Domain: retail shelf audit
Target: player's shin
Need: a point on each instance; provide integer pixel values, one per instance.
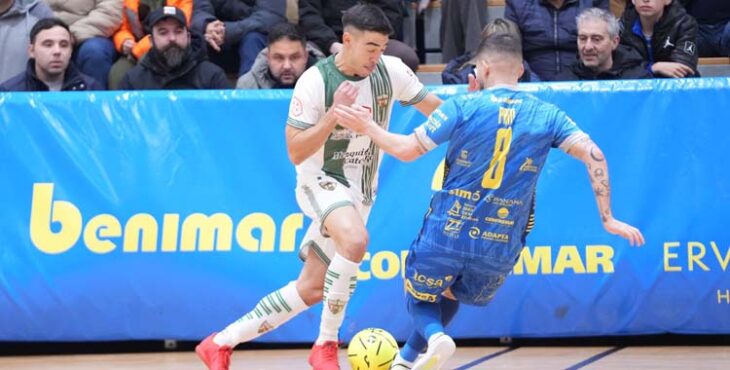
(339, 285)
(271, 311)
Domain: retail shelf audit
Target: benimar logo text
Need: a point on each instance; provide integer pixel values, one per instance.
(256, 232)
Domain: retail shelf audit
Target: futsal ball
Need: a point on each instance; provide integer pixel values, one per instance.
(372, 349)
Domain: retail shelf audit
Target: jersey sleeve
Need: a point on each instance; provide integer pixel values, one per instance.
(406, 86)
(440, 125)
(307, 102)
(565, 132)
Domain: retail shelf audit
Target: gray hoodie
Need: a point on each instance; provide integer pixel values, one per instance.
(15, 25)
(259, 76)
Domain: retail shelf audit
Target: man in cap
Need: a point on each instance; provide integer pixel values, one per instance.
(177, 59)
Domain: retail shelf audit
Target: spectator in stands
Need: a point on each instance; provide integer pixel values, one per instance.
(713, 25)
(617, 7)
(601, 57)
(549, 31)
(177, 59)
(92, 23)
(321, 21)
(17, 17)
(236, 30)
(665, 36)
(132, 39)
(280, 65)
(49, 67)
(462, 22)
(457, 71)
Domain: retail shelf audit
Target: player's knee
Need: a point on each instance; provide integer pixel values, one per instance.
(354, 245)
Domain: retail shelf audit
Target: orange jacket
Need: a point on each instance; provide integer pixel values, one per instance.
(133, 29)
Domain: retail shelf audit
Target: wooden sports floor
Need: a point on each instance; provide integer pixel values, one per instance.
(519, 358)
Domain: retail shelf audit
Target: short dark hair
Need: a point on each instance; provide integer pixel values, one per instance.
(285, 30)
(500, 44)
(47, 24)
(367, 17)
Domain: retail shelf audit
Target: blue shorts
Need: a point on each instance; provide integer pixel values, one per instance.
(432, 270)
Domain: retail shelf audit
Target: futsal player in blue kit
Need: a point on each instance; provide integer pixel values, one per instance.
(474, 230)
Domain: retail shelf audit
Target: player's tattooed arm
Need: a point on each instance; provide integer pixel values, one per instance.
(589, 153)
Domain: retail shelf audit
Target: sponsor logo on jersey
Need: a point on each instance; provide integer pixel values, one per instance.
(504, 202)
(502, 214)
(528, 166)
(453, 227)
(429, 281)
(341, 134)
(463, 159)
(419, 295)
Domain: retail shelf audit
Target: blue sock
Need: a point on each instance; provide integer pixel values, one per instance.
(449, 308)
(413, 347)
(426, 317)
(416, 343)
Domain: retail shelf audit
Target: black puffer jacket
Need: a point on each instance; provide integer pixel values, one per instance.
(627, 65)
(321, 20)
(674, 38)
(73, 80)
(195, 72)
(548, 34)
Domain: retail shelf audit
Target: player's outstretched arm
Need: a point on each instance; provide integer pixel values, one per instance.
(428, 104)
(404, 147)
(301, 144)
(589, 153)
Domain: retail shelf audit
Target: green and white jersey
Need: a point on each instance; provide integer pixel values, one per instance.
(350, 158)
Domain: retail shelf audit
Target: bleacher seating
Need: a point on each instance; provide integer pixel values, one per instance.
(424, 30)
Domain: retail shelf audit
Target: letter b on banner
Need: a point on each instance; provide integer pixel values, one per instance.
(44, 211)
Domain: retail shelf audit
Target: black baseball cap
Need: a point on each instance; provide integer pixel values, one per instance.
(166, 12)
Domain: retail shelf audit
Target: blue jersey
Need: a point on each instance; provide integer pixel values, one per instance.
(498, 142)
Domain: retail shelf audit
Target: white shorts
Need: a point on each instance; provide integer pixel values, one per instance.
(318, 196)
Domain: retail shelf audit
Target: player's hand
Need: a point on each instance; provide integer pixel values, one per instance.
(671, 69)
(474, 84)
(345, 94)
(624, 230)
(354, 117)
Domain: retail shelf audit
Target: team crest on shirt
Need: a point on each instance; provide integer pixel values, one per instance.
(335, 305)
(296, 107)
(327, 185)
(382, 100)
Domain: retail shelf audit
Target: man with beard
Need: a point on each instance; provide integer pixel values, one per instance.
(177, 58)
(49, 67)
(280, 65)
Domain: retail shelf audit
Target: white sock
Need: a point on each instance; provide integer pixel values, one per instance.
(339, 284)
(271, 311)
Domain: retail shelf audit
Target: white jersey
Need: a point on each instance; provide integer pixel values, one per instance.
(350, 158)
